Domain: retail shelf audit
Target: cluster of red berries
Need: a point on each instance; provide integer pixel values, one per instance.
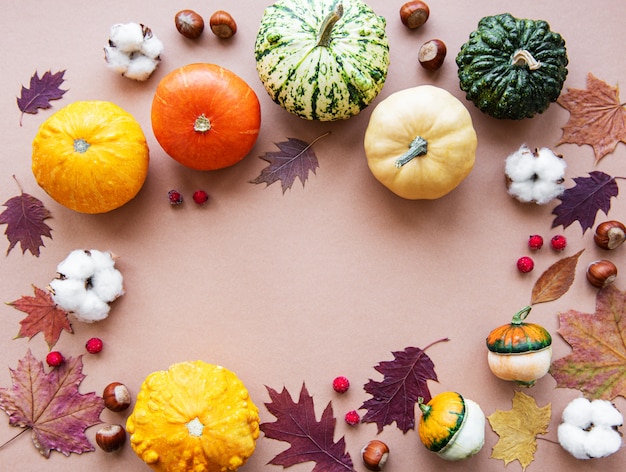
(93, 346)
(341, 385)
(176, 198)
(535, 242)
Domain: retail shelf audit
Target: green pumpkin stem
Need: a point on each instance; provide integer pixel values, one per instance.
(327, 26)
(521, 57)
(423, 406)
(418, 147)
(520, 316)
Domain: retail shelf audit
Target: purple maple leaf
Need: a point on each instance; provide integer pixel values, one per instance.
(310, 440)
(41, 91)
(404, 383)
(24, 218)
(583, 201)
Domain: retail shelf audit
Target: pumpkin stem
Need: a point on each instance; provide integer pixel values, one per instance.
(521, 57)
(327, 26)
(202, 124)
(423, 406)
(418, 147)
(521, 315)
(81, 146)
(195, 427)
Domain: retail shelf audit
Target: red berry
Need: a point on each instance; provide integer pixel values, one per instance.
(94, 345)
(353, 418)
(54, 359)
(200, 197)
(558, 242)
(535, 241)
(525, 264)
(341, 384)
(174, 197)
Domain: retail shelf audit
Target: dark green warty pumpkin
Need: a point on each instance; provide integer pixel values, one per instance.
(512, 68)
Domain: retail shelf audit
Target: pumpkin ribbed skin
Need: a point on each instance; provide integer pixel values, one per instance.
(193, 417)
(441, 418)
(322, 82)
(516, 338)
(90, 156)
(499, 82)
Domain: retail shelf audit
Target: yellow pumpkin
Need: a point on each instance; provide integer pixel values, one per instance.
(194, 416)
(90, 156)
(420, 142)
(452, 426)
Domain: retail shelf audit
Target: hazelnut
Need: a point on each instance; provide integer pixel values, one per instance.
(610, 234)
(414, 14)
(189, 24)
(111, 437)
(601, 273)
(375, 454)
(432, 53)
(223, 24)
(116, 397)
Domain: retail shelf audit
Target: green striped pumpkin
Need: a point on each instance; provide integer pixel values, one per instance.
(322, 59)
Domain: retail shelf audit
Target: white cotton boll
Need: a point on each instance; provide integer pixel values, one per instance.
(578, 413)
(152, 47)
(68, 293)
(140, 68)
(603, 413)
(126, 37)
(91, 308)
(102, 259)
(549, 166)
(78, 264)
(545, 191)
(572, 439)
(602, 441)
(519, 166)
(522, 191)
(107, 284)
(117, 60)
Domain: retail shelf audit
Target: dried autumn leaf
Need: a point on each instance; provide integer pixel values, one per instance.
(597, 364)
(518, 429)
(310, 440)
(404, 383)
(556, 280)
(25, 219)
(583, 201)
(50, 405)
(597, 117)
(295, 159)
(41, 91)
(44, 316)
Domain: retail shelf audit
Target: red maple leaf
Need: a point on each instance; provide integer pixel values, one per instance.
(310, 440)
(405, 381)
(44, 316)
(25, 219)
(50, 405)
(41, 91)
(597, 364)
(295, 159)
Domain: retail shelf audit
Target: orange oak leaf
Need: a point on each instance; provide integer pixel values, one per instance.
(44, 316)
(518, 429)
(597, 364)
(597, 117)
(50, 405)
(556, 280)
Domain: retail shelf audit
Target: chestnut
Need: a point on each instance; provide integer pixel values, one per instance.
(414, 14)
(189, 23)
(610, 234)
(111, 437)
(601, 273)
(432, 54)
(116, 396)
(223, 24)
(375, 454)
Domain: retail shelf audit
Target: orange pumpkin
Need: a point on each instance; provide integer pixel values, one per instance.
(205, 116)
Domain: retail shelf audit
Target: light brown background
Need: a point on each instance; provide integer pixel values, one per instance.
(325, 280)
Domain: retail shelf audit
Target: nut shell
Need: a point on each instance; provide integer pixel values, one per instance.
(111, 437)
(414, 14)
(601, 273)
(189, 23)
(116, 397)
(610, 234)
(432, 54)
(375, 454)
(223, 24)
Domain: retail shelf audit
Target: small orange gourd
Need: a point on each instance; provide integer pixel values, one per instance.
(205, 116)
(520, 351)
(90, 156)
(194, 416)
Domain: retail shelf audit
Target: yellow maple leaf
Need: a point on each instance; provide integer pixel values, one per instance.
(518, 429)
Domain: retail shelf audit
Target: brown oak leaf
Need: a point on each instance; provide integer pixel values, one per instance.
(50, 405)
(597, 364)
(518, 429)
(556, 280)
(310, 440)
(44, 316)
(597, 117)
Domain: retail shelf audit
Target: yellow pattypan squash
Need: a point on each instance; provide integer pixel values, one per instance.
(90, 156)
(195, 417)
(420, 142)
